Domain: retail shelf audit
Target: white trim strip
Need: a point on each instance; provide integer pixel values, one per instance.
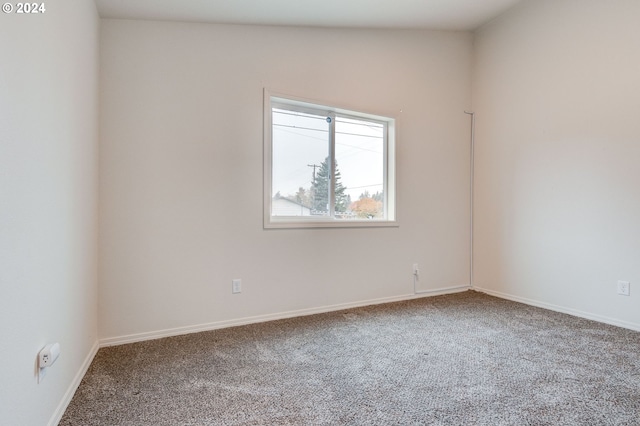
(71, 390)
(556, 308)
(139, 337)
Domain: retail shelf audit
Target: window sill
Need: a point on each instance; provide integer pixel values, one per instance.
(329, 223)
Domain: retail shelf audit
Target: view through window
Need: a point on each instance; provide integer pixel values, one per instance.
(328, 164)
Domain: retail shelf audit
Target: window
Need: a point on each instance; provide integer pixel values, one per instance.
(327, 166)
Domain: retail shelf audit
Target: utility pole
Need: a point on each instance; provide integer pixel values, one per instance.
(314, 171)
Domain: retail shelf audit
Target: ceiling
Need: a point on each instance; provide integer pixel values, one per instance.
(464, 15)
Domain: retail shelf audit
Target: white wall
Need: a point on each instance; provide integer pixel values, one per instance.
(181, 170)
(48, 204)
(557, 96)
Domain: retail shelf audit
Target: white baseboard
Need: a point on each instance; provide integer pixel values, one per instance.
(131, 338)
(66, 399)
(561, 309)
(139, 337)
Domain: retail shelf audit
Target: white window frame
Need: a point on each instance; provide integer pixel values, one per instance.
(272, 99)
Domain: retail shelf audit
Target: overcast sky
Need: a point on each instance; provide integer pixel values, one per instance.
(301, 140)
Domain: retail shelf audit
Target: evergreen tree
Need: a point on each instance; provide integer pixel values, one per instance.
(320, 190)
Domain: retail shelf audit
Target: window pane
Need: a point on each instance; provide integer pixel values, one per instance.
(359, 148)
(300, 148)
(329, 167)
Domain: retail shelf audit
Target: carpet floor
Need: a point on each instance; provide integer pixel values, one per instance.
(460, 359)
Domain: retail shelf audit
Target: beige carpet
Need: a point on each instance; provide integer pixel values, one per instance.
(462, 359)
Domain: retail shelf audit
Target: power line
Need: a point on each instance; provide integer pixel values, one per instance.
(300, 114)
(364, 186)
(323, 139)
(301, 128)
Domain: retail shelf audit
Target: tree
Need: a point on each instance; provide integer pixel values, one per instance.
(320, 190)
(367, 208)
(303, 197)
(378, 196)
(365, 194)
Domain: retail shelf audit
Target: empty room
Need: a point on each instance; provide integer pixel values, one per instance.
(348, 212)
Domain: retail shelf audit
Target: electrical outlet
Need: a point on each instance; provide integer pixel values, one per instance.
(236, 286)
(623, 288)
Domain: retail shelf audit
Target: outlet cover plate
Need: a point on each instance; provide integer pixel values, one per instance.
(623, 288)
(236, 286)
